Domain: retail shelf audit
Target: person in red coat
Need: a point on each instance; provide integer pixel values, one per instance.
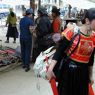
(78, 69)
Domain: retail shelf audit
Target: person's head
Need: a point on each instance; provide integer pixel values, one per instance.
(42, 11)
(12, 14)
(11, 9)
(29, 12)
(55, 11)
(89, 18)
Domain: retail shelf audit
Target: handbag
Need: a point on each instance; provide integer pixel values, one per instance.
(59, 67)
(47, 40)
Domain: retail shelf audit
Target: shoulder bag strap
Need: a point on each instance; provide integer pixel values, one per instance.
(78, 34)
(73, 38)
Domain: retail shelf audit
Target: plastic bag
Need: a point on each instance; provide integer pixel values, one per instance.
(42, 62)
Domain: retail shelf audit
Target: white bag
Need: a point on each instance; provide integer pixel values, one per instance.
(42, 62)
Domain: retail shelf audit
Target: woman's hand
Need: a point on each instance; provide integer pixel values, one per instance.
(91, 81)
(91, 74)
(32, 28)
(50, 73)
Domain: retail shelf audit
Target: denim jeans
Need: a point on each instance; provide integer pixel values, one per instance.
(26, 46)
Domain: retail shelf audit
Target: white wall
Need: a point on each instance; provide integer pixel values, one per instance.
(13, 4)
(84, 4)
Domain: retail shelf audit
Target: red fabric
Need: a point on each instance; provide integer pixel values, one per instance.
(91, 92)
(10, 51)
(56, 25)
(2, 52)
(55, 91)
(68, 33)
(94, 38)
(53, 86)
(84, 49)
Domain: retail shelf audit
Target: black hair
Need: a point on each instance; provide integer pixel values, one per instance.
(27, 14)
(55, 10)
(12, 14)
(90, 14)
(40, 12)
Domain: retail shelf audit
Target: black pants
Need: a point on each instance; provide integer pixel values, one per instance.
(74, 80)
(8, 38)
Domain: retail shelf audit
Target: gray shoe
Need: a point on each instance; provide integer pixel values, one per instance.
(14, 41)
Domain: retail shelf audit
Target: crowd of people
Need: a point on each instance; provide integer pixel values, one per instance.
(78, 70)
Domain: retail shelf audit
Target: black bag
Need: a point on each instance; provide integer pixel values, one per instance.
(52, 39)
(58, 69)
(47, 40)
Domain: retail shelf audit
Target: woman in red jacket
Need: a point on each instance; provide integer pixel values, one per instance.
(56, 24)
(77, 72)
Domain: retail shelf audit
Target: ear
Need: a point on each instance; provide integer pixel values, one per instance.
(87, 21)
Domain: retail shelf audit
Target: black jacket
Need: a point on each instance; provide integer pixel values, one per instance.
(43, 26)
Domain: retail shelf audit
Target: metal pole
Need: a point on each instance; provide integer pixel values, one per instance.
(69, 10)
(39, 3)
(32, 5)
(59, 3)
